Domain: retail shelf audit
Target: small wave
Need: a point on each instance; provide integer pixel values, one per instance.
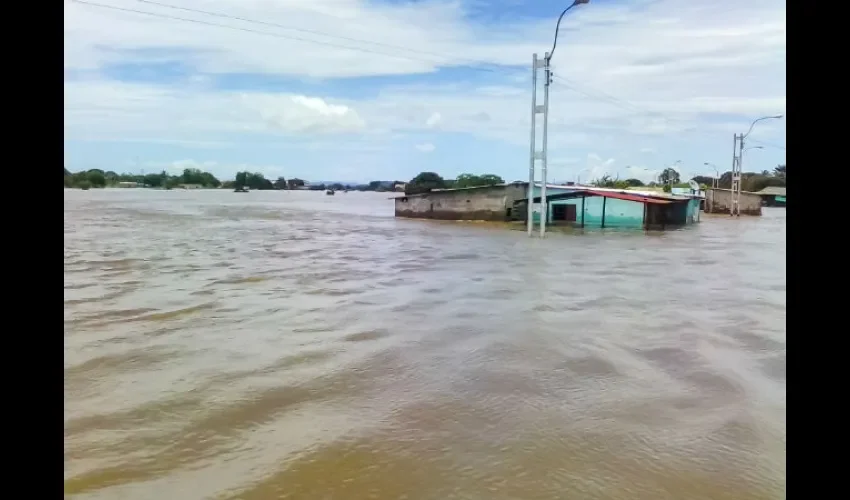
(367, 335)
(240, 281)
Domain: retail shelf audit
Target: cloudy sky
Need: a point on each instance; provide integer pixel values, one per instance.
(355, 90)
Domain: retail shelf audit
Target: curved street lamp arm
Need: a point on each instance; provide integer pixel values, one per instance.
(558, 26)
(776, 117)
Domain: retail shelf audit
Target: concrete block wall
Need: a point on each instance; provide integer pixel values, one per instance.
(720, 201)
(473, 204)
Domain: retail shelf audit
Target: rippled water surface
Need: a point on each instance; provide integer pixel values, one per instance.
(297, 345)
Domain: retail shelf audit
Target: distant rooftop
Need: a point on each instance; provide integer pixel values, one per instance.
(772, 191)
(538, 184)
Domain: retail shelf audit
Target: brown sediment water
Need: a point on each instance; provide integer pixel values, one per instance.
(297, 345)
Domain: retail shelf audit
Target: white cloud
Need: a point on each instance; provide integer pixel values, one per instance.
(426, 147)
(705, 68)
(433, 120)
(300, 114)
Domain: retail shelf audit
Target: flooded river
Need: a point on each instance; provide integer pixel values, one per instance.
(296, 345)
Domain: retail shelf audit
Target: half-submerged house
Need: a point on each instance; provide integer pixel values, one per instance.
(565, 206)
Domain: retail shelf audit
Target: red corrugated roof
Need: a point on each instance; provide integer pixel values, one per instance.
(628, 197)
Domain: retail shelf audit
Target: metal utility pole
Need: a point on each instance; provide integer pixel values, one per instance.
(546, 64)
(737, 164)
(737, 147)
(544, 209)
(535, 109)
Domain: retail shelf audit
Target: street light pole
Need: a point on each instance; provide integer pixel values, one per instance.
(544, 109)
(716, 182)
(669, 177)
(737, 164)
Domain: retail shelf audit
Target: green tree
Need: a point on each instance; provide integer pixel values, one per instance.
(96, 178)
(604, 182)
(668, 176)
(779, 171)
(472, 180)
(155, 180)
(256, 181)
(704, 180)
(424, 182)
(241, 180)
(191, 176)
(209, 180)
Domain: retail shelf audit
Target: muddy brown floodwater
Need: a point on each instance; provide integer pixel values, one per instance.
(297, 345)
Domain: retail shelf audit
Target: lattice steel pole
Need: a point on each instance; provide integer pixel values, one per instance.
(737, 147)
(533, 155)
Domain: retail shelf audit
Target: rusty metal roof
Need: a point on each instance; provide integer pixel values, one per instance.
(578, 193)
(629, 197)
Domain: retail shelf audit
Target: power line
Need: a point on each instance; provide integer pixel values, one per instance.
(248, 30)
(600, 96)
(596, 94)
(627, 106)
(768, 144)
(572, 85)
(291, 28)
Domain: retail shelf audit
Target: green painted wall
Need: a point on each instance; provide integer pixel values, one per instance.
(618, 213)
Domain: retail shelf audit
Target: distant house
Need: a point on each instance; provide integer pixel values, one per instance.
(191, 186)
(399, 186)
(772, 196)
(129, 184)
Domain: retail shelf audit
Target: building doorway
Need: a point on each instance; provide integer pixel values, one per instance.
(563, 213)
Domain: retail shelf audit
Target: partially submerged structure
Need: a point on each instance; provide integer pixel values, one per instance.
(489, 203)
(720, 201)
(772, 196)
(565, 205)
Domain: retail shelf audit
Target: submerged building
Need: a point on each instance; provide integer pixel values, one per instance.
(772, 196)
(565, 205)
(719, 200)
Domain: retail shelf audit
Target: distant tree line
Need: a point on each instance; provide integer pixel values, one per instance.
(96, 178)
(256, 181)
(378, 186)
(750, 181)
(670, 178)
(429, 181)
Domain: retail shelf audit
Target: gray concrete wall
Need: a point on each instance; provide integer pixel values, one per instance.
(720, 201)
(465, 204)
